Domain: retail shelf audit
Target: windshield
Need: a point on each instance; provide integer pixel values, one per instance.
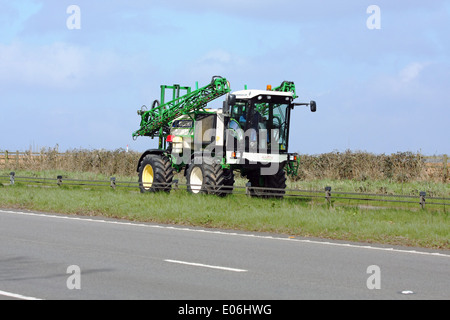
(264, 119)
(273, 118)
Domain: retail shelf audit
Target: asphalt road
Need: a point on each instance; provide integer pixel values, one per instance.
(52, 257)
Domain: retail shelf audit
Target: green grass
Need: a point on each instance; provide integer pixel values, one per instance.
(395, 225)
(388, 187)
(434, 189)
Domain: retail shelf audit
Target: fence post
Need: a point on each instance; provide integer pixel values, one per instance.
(422, 199)
(59, 180)
(175, 184)
(11, 177)
(328, 195)
(248, 185)
(445, 168)
(6, 157)
(113, 183)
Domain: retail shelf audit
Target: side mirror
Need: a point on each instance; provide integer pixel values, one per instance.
(230, 101)
(313, 106)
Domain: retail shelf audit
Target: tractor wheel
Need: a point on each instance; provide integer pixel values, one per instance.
(209, 179)
(155, 174)
(256, 181)
(276, 181)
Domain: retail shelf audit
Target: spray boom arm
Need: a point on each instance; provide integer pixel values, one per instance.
(156, 121)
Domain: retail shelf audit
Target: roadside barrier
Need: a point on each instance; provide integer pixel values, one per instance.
(328, 195)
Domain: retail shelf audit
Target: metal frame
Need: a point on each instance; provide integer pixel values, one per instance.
(155, 122)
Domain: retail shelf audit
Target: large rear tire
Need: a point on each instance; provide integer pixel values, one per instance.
(155, 174)
(268, 186)
(277, 182)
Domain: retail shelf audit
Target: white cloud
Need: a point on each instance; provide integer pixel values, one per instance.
(404, 83)
(216, 56)
(216, 62)
(52, 65)
(411, 71)
(56, 65)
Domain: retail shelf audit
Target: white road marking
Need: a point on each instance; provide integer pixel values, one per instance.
(206, 266)
(16, 296)
(328, 243)
(407, 292)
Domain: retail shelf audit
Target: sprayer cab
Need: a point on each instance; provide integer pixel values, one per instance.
(265, 112)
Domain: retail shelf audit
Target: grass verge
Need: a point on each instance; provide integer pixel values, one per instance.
(429, 228)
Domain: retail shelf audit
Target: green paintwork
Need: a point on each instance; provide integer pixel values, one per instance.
(287, 86)
(155, 122)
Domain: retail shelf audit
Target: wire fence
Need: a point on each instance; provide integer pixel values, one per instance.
(328, 195)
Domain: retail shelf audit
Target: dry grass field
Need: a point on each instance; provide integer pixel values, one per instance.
(348, 165)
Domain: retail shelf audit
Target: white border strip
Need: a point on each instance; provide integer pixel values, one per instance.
(205, 266)
(16, 296)
(336, 244)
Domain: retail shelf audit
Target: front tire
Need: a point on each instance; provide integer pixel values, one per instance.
(155, 174)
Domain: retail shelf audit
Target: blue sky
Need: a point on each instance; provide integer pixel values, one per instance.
(381, 91)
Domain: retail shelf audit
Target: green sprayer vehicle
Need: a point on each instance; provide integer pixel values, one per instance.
(250, 134)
